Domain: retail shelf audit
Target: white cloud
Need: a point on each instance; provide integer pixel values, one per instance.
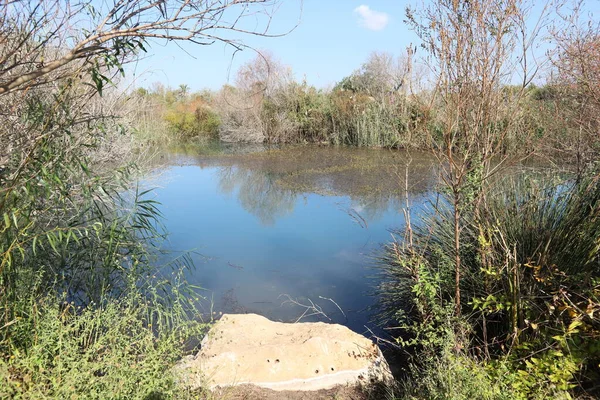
(371, 19)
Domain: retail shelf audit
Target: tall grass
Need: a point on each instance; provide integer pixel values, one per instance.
(84, 310)
(530, 291)
(121, 349)
(371, 125)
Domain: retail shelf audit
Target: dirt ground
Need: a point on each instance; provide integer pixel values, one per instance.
(250, 392)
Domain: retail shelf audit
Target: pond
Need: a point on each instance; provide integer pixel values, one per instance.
(288, 232)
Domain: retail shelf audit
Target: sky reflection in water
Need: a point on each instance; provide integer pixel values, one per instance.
(269, 225)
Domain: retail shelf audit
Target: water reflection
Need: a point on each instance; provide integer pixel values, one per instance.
(302, 222)
(257, 192)
(268, 185)
(373, 208)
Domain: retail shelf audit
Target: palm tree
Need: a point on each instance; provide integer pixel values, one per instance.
(184, 90)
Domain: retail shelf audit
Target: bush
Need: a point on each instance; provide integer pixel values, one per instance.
(123, 349)
(79, 301)
(456, 376)
(192, 119)
(530, 288)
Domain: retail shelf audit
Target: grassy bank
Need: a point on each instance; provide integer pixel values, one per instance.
(85, 311)
(121, 349)
(529, 324)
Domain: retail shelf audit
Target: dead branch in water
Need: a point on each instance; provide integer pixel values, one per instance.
(312, 308)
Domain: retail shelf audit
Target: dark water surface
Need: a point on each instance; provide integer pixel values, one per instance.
(299, 223)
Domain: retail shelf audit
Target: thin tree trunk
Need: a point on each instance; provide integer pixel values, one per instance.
(457, 261)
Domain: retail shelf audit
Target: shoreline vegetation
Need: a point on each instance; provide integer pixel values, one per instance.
(495, 294)
(384, 103)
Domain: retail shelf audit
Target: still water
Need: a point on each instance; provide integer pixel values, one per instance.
(272, 231)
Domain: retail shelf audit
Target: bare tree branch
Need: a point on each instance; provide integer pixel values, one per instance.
(113, 32)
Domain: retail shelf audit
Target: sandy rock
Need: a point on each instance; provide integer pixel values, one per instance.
(250, 349)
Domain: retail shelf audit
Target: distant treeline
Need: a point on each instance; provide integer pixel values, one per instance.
(384, 103)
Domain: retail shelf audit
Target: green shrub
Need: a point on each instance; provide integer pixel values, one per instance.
(191, 120)
(123, 349)
(311, 112)
(530, 292)
(83, 314)
(459, 377)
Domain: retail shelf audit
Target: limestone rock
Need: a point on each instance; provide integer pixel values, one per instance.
(250, 349)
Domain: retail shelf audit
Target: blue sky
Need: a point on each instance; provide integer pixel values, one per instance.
(333, 38)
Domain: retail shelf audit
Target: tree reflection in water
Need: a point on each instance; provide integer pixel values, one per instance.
(268, 184)
(258, 192)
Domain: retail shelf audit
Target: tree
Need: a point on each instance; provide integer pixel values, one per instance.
(183, 91)
(263, 75)
(475, 48)
(257, 108)
(54, 45)
(576, 85)
(380, 75)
